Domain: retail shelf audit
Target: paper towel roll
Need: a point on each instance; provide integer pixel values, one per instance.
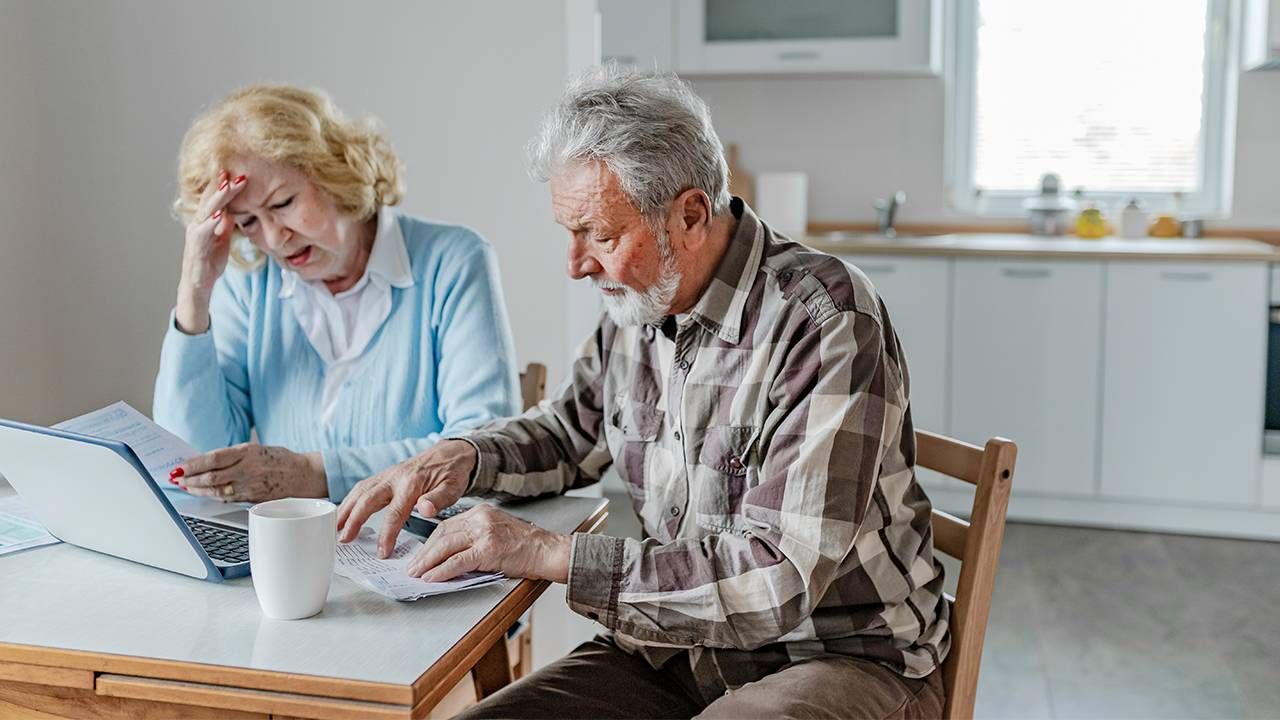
(782, 201)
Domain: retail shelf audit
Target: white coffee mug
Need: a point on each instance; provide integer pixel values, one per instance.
(291, 549)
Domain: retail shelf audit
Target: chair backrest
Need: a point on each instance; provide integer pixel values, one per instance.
(533, 385)
(976, 544)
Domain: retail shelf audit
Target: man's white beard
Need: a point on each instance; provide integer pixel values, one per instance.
(635, 307)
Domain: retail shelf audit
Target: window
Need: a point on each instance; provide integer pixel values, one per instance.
(1123, 98)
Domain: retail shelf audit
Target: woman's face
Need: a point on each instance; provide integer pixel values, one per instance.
(287, 217)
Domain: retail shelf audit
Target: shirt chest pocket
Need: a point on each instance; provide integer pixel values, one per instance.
(728, 466)
(632, 430)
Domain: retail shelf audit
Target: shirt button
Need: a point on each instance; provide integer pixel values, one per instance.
(677, 434)
(674, 511)
(784, 277)
(684, 365)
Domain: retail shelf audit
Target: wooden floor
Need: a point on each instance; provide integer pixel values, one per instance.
(1105, 624)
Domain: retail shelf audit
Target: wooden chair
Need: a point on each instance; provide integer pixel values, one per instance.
(976, 544)
(533, 385)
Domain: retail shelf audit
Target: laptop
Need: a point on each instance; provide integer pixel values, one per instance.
(96, 494)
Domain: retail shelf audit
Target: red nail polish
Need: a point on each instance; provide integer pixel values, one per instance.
(176, 473)
(240, 179)
(184, 487)
(217, 215)
(224, 184)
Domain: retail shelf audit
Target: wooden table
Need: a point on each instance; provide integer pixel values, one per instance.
(86, 635)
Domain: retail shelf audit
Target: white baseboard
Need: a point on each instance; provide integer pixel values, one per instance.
(1249, 523)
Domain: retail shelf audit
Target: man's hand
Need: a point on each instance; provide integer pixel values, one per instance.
(434, 480)
(486, 538)
(250, 472)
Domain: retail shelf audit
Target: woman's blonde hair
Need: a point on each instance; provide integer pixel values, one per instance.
(348, 160)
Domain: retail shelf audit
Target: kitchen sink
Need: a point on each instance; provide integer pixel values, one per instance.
(846, 238)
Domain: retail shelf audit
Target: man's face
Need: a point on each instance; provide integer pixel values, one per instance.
(634, 268)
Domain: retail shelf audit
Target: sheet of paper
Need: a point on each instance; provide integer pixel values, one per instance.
(19, 528)
(158, 449)
(359, 561)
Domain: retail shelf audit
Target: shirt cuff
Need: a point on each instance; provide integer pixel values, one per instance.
(173, 325)
(488, 460)
(595, 575)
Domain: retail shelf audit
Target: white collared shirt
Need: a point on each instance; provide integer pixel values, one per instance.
(340, 326)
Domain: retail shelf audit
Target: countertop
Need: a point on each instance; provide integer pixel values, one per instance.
(1029, 246)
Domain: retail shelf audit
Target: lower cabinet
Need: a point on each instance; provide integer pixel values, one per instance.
(1025, 354)
(1183, 379)
(1134, 389)
(917, 293)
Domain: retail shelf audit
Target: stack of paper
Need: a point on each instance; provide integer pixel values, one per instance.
(359, 561)
(159, 450)
(19, 528)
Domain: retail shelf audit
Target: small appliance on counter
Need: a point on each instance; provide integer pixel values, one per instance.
(1049, 213)
(1133, 221)
(782, 199)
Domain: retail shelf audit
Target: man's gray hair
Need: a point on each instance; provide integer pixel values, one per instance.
(651, 131)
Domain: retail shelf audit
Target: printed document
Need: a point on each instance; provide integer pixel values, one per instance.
(19, 528)
(158, 449)
(359, 561)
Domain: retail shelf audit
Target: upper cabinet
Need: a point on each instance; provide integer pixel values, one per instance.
(1260, 36)
(637, 34)
(728, 37)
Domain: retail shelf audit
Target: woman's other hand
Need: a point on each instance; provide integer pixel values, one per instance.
(207, 249)
(250, 472)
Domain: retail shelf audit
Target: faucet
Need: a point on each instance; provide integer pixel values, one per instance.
(886, 210)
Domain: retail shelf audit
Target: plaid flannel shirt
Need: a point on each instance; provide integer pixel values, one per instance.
(765, 439)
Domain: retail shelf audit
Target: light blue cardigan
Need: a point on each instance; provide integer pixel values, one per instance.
(443, 362)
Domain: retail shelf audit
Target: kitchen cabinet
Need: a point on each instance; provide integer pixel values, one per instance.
(1131, 373)
(1260, 35)
(1025, 353)
(1271, 482)
(727, 37)
(1184, 365)
(637, 35)
(917, 293)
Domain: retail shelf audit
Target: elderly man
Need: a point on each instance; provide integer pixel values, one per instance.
(753, 397)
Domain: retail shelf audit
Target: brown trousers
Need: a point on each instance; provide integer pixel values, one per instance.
(598, 680)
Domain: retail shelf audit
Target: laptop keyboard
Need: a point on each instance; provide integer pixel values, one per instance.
(222, 543)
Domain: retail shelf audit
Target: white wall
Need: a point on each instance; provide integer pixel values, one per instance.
(24, 299)
(96, 97)
(860, 138)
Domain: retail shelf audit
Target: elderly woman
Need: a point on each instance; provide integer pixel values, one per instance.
(350, 336)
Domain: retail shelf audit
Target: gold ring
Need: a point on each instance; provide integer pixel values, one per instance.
(228, 489)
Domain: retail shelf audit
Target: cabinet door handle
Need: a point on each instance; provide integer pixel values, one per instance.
(879, 269)
(1027, 273)
(799, 55)
(1185, 276)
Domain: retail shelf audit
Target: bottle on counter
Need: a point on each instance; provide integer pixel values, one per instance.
(1090, 223)
(1133, 221)
(1164, 226)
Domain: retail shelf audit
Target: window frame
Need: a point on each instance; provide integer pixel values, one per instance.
(1217, 136)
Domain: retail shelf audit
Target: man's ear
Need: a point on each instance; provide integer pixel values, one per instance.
(691, 216)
